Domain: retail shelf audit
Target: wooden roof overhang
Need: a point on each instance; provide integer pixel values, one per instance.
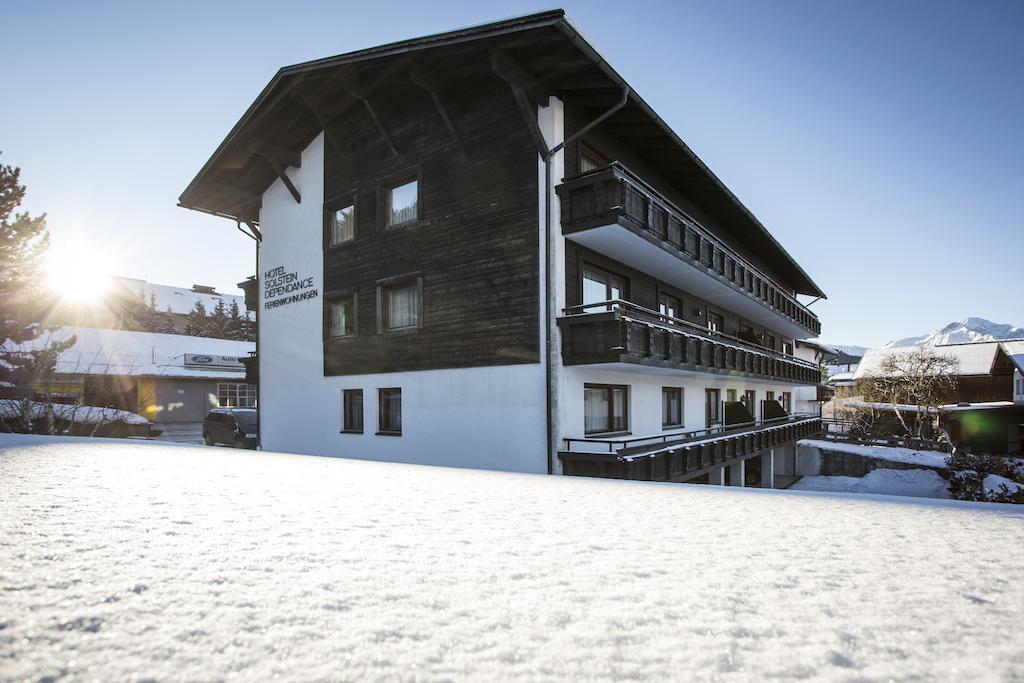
(542, 54)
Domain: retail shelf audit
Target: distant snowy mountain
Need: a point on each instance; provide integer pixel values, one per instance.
(969, 330)
(850, 350)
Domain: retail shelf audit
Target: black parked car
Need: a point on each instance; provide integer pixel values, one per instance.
(231, 426)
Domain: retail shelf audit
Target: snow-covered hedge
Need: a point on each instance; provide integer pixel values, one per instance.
(71, 419)
(985, 477)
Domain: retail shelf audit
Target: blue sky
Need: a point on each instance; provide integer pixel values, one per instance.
(880, 142)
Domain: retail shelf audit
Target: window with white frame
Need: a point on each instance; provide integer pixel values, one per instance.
(403, 203)
(236, 395)
(342, 317)
(400, 306)
(343, 225)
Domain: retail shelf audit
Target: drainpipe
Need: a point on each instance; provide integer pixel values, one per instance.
(256, 236)
(550, 301)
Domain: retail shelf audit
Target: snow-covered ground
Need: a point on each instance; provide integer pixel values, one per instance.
(916, 483)
(130, 561)
(892, 454)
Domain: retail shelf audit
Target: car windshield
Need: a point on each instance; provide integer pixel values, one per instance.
(246, 418)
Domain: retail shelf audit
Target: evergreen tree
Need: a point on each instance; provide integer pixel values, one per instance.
(219, 320)
(198, 321)
(140, 315)
(240, 328)
(25, 302)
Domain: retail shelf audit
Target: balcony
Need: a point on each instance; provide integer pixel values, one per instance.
(613, 333)
(682, 457)
(613, 212)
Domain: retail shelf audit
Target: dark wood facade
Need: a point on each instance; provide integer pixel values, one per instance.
(474, 245)
(614, 195)
(622, 336)
(645, 290)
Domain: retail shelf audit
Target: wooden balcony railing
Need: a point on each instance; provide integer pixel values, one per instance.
(683, 459)
(622, 332)
(614, 195)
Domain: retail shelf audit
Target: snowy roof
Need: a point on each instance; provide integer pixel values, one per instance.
(975, 359)
(824, 348)
(140, 354)
(1015, 350)
(837, 377)
(179, 300)
(144, 561)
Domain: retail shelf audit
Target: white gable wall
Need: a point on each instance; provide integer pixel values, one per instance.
(490, 417)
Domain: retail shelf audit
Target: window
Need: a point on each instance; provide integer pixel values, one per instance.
(600, 286)
(670, 306)
(716, 323)
(352, 411)
(390, 411)
(605, 408)
(403, 202)
(590, 161)
(787, 348)
(713, 407)
(231, 395)
(343, 225)
(787, 401)
(341, 316)
(769, 341)
(750, 400)
(399, 305)
(671, 407)
(730, 395)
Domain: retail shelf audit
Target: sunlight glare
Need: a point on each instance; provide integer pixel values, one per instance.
(78, 275)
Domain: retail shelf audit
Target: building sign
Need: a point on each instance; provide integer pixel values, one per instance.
(281, 288)
(202, 360)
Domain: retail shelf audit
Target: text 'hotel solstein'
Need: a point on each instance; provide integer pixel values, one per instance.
(483, 248)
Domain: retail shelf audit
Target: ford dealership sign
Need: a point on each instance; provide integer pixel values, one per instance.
(200, 360)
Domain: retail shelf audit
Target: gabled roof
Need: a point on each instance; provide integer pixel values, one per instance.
(546, 47)
(1015, 351)
(139, 354)
(975, 359)
(180, 300)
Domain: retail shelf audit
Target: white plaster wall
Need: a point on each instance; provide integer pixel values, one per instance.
(492, 418)
(645, 397)
(1018, 387)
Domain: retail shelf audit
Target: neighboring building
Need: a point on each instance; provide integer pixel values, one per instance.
(986, 412)
(173, 380)
(809, 398)
(178, 301)
(438, 285)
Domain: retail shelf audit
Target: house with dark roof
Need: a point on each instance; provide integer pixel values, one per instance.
(483, 248)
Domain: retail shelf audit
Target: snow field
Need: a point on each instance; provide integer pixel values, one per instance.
(125, 561)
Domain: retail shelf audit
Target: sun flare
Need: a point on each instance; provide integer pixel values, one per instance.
(77, 275)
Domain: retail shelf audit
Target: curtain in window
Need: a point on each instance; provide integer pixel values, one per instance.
(618, 409)
(341, 312)
(595, 410)
(588, 162)
(403, 307)
(353, 417)
(391, 411)
(594, 291)
(403, 201)
(671, 410)
(344, 225)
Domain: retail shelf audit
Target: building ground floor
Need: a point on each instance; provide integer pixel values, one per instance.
(497, 417)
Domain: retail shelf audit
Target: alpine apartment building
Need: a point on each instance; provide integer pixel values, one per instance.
(483, 248)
